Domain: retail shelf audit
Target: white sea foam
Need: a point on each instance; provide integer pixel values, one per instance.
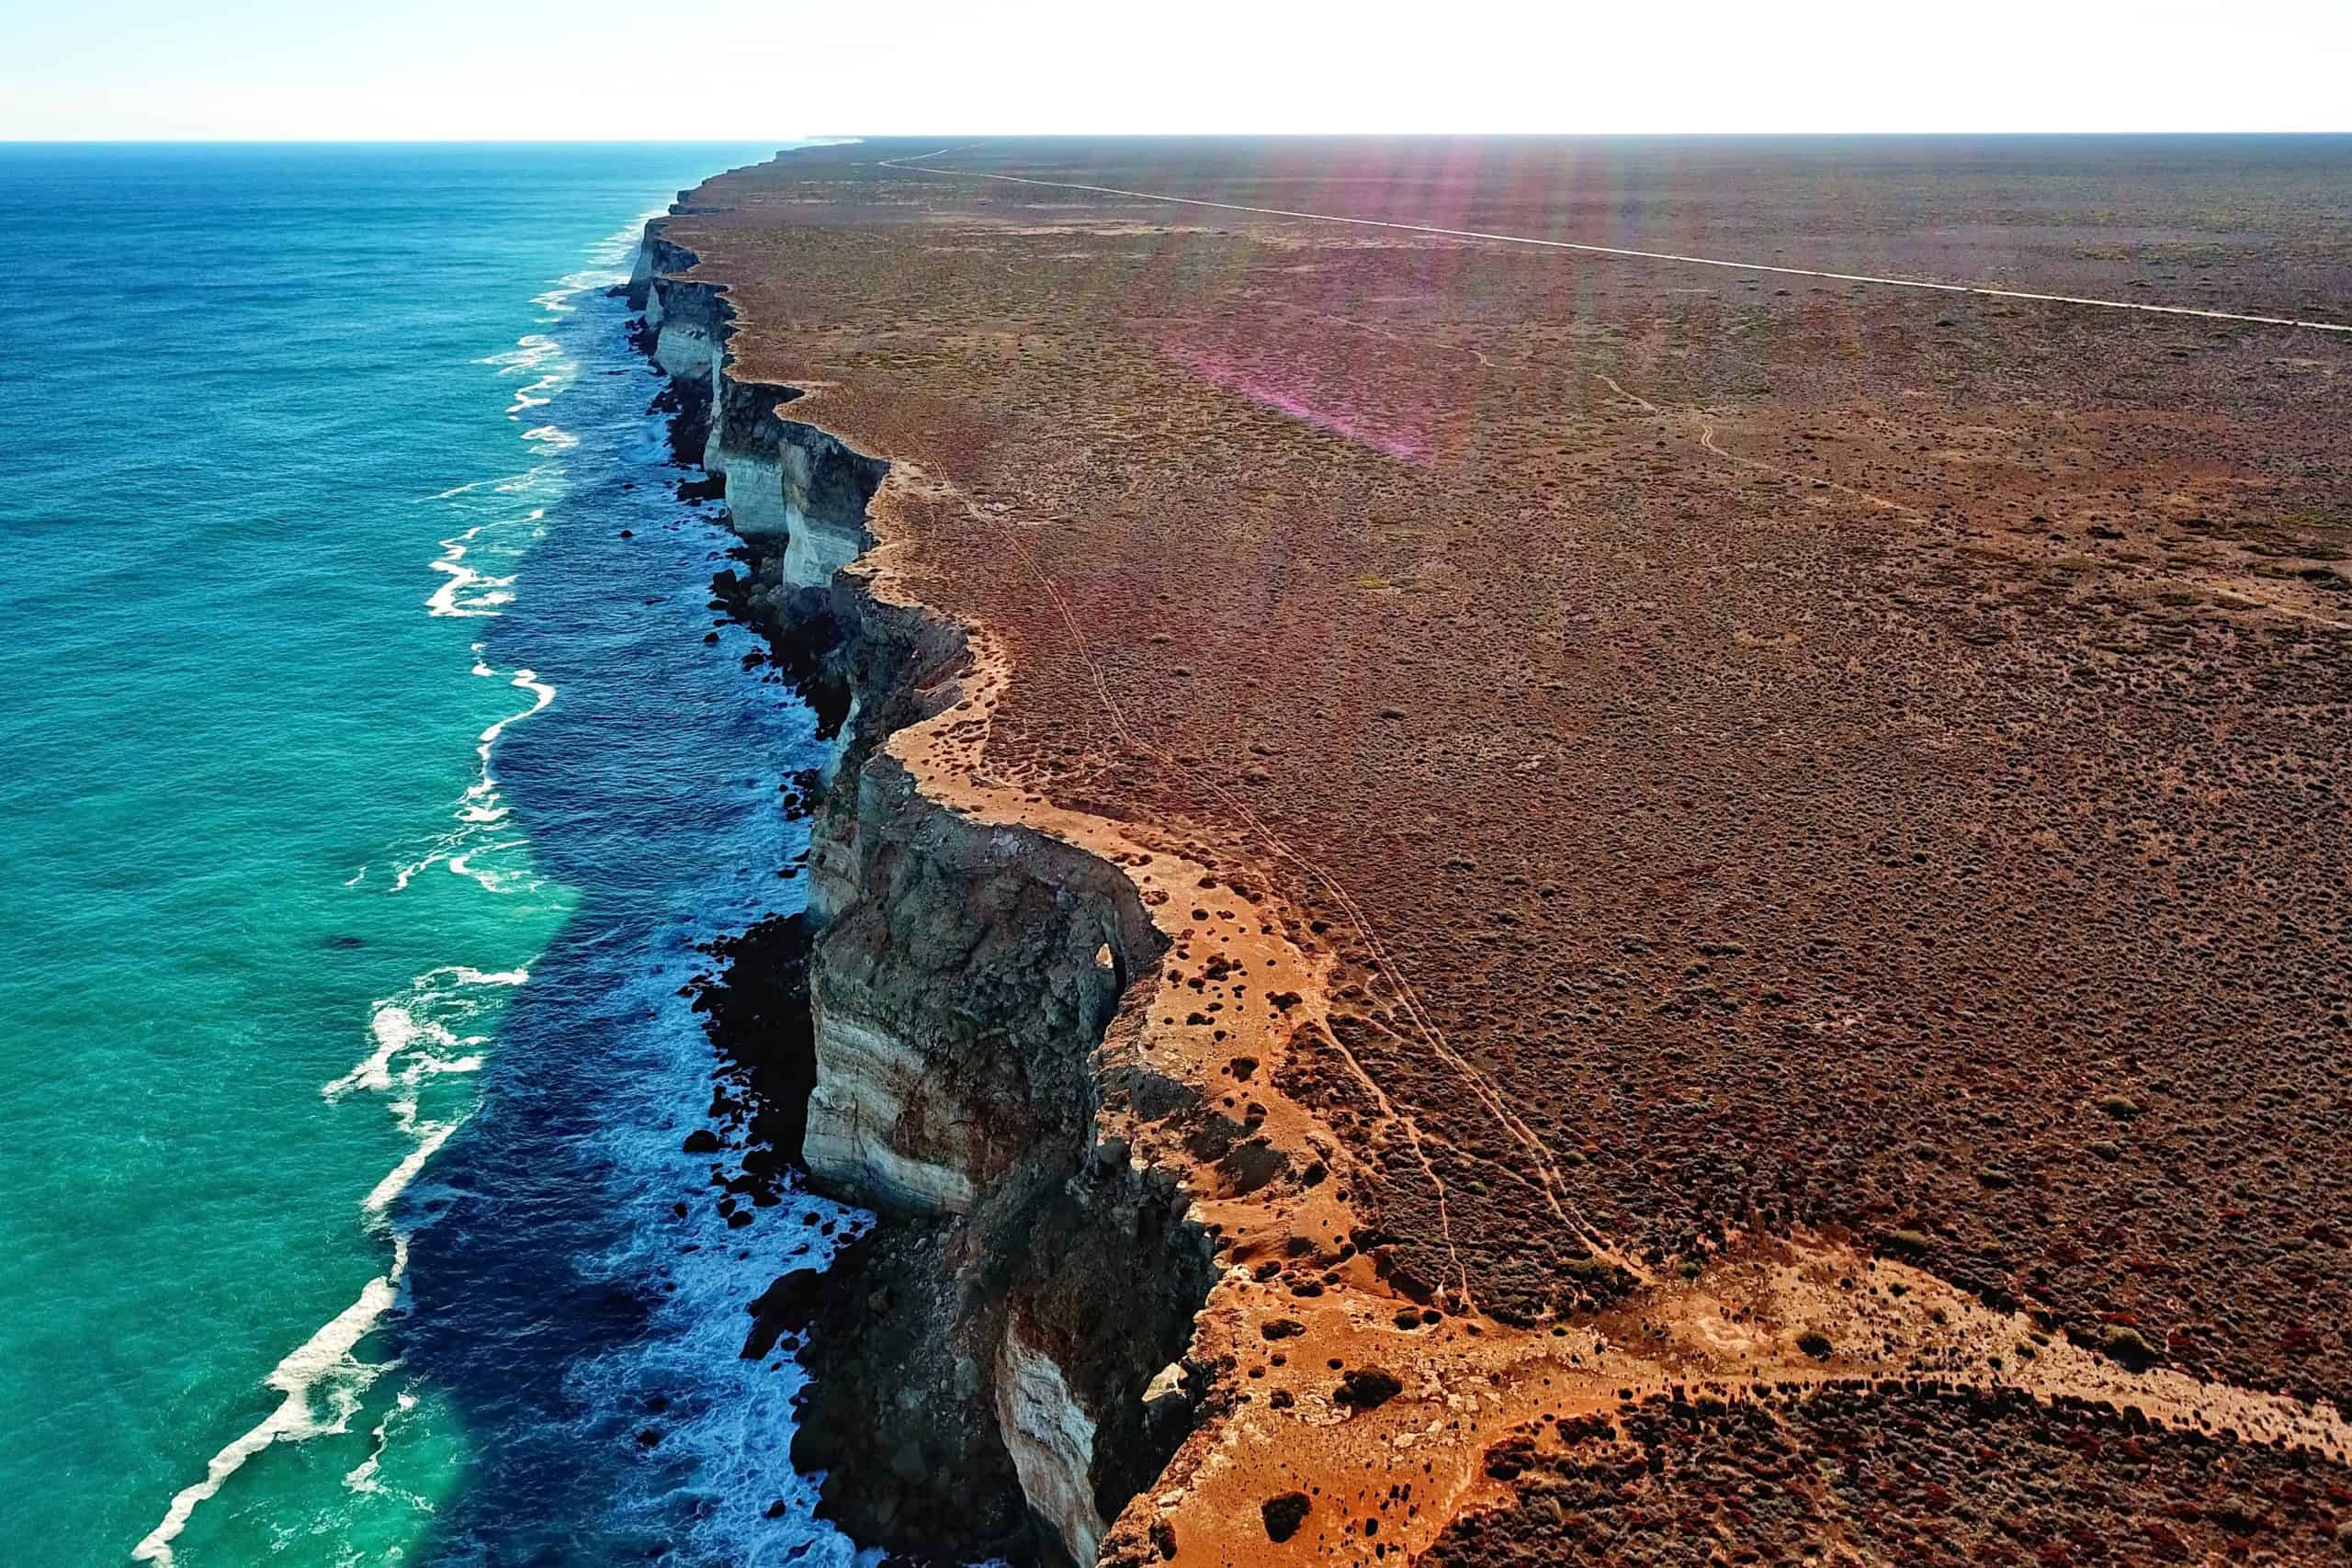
(530, 351)
(493, 878)
(367, 1475)
(539, 477)
(719, 1460)
(424, 1042)
(424, 1014)
(608, 265)
(482, 805)
(480, 809)
(468, 590)
(539, 355)
(557, 302)
(542, 693)
(478, 567)
(324, 1364)
(532, 480)
(416, 1036)
(460, 579)
(719, 1446)
(396, 1029)
(430, 1136)
(541, 358)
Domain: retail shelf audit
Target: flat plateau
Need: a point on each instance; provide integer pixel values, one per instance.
(1764, 851)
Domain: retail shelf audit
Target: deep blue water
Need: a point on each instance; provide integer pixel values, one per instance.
(369, 796)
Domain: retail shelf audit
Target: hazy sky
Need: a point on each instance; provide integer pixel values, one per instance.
(731, 69)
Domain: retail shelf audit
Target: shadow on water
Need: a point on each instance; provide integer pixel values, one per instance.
(576, 1285)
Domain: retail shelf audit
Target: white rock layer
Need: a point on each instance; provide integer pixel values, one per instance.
(865, 1079)
(1051, 1438)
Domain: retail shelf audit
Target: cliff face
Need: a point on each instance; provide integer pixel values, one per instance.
(967, 975)
(981, 1360)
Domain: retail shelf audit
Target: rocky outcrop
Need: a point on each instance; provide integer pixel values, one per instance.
(1049, 1432)
(657, 257)
(981, 1364)
(791, 487)
(686, 322)
(964, 981)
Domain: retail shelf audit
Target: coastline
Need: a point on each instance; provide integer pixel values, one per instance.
(587, 1158)
(624, 1166)
(1002, 1358)
(351, 812)
(885, 676)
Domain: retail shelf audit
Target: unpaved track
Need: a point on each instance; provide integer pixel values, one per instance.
(918, 164)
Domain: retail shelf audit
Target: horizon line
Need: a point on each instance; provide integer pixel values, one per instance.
(198, 141)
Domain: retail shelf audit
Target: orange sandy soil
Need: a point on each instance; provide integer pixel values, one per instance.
(1793, 831)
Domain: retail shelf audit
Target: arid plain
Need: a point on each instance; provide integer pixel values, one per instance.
(1755, 863)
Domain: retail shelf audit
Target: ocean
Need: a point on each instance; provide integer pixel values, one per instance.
(374, 775)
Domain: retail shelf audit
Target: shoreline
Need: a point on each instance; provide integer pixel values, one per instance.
(879, 670)
(619, 1172)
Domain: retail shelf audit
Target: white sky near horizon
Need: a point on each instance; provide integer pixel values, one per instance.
(729, 70)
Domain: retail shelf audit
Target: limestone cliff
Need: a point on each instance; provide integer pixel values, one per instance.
(981, 1360)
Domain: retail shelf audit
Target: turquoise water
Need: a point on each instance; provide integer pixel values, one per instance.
(366, 797)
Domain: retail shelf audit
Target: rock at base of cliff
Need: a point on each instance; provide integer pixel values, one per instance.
(908, 1444)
